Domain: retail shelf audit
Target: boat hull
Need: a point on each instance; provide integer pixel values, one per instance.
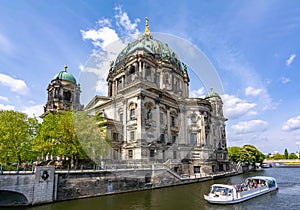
(251, 188)
(213, 200)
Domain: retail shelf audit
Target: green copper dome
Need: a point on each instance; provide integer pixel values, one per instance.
(212, 93)
(155, 47)
(64, 75)
(152, 46)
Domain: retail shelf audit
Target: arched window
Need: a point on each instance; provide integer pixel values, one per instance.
(148, 110)
(132, 109)
(132, 113)
(176, 86)
(131, 70)
(67, 95)
(130, 154)
(148, 73)
(131, 73)
(167, 78)
(193, 139)
(194, 118)
(172, 121)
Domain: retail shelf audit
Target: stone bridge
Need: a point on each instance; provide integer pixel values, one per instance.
(28, 189)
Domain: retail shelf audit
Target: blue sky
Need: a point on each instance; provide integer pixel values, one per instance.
(253, 45)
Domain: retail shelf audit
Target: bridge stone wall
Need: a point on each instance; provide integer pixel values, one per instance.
(37, 188)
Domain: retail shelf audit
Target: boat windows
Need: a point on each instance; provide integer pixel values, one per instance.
(220, 190)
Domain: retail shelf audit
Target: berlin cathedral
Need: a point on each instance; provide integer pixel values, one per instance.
(149, 115)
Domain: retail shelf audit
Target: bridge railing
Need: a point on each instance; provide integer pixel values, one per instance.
(16, 170)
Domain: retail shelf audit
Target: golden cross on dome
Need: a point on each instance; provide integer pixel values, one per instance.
(65, 67)
(147, 30)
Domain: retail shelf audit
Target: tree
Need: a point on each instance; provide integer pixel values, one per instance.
(245, 154)
(293, 156)
(56, 137)
(286, 154)
(278, 156)
(91, 133)
(72, 135)
(233, 153)
(258, 156)
(16, 134)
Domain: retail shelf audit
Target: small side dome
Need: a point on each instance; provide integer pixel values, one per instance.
(64, 75)
(212, 93)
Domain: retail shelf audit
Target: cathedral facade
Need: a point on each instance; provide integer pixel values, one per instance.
(150, 116)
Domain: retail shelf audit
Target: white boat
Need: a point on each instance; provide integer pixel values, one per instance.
(252, 187)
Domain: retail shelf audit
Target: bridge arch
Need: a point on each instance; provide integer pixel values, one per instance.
(12, 198)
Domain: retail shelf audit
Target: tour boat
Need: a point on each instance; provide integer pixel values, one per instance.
(252, 187)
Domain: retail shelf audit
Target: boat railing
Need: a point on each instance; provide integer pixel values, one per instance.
(252, 190)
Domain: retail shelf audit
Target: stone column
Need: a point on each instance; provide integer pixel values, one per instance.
(158, 120)
(141, 72)
(116, 86)
(125, 120)
(112, 88)
(183, 126)
(123, 81)
(168, 124)
(161, 83)
(152, 75)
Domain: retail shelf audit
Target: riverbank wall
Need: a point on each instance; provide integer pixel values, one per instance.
(95, 183)
(47, 185)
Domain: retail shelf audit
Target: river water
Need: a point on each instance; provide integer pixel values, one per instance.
(190, 196)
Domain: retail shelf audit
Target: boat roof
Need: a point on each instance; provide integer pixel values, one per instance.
(262, 178)
(223, 186)
(266, 178)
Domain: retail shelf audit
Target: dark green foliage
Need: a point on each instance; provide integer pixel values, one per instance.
(245, 154)
(286, 154)
(66, 134)
(16, 134)
(293, 156)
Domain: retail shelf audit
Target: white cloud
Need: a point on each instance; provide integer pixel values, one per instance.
(15, 85)
(199, 93)
(263, 100)
(251, 91)
(251, 126)
(101, 37)
(104, 22)
(292, 124)
(285, 80)
(3, 98)
(34, 110)
(290, 60)
(98, 66)
(123, 21)
(104, 34)
(105, 38)
(235, 107)
(6, 107)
